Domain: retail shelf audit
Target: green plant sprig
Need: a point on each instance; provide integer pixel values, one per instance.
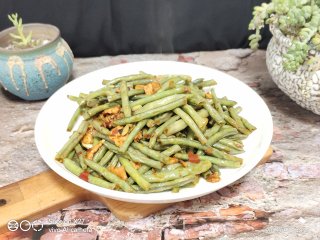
(20, 39)
(299, 20)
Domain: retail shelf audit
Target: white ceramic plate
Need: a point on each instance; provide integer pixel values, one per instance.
(50, 129)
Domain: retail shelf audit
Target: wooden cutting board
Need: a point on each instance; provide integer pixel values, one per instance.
(47, 192)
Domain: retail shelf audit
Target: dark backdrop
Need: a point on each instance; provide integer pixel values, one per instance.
(110, 27)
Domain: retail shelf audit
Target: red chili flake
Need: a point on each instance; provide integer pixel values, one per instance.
(84, 176)
(194, 158)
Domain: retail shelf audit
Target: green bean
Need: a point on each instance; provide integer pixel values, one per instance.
(142, 170)
(174, 182)
(160, 130)
(207, 83)
(151, 113)
(238, 109)
(200, 121)
(234, 124)
(160, 119)
(182, 141)
(79, 100)
(134, 174)
(74, 119)
(171, 83)
(137, 156)
(72, 141)
(114, 161)
(221, 134)
(160, 102)
(171, 150)
(197, 81)
(216, 161)
(214, 113)
(97, 125)
(110, 176)
(132, 135)
(129, 78)
(238, 137)
(81, 155)
(209, 132)
(226, 102)
(73, 168)
(179, 125)
(125, 99)
(94, 94)
(227, 149)
(160, 95)
(192, 168)
(112, 147)
(151, 153)
(117, 96)
(216, 102)
(140, 82)
(100, 153)
(71, 154)
(106, 158)
(175, 127)
(198, 145)
(93, 111)
(232, 144)
(248, 125)
(235, 117)
(188, 120)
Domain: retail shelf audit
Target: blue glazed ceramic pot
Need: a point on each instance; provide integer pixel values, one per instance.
(35, 73)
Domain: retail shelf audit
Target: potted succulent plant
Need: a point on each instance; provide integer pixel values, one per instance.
(293, 54)
(34, 60)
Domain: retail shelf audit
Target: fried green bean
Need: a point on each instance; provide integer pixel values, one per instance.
(106, 158)
(160, 95)
(134, 174)
(216, 161)
(72, 141)
(161, 129)
(73, 168)
(207, 83)
(97, 125)
(110, 176)
(248, 125)
(139, 157)
(209, 132)
(129, 78)
(151, 113)
(123, 148)
(151, 153)
(125, 99)
(171, 150)
(235, 117)
(93, 111)
(179, 125)
(74, 119)
(100, 153)
(193, 126)
(200, 121)
(191, 168)
(132, 92)
(160, 102)
(234, 124)
(221, 134)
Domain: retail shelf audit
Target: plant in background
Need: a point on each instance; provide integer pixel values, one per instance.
(20, 40)
(298, 20)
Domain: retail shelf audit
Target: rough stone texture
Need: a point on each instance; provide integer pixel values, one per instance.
(277, 200)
